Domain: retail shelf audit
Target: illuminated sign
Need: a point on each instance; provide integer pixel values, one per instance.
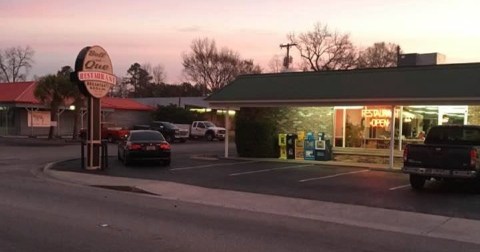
(380, 123)
(376, 113)
(378, 117)
(95, 71)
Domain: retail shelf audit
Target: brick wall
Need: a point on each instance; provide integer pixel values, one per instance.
(473, 115)
(316, 119)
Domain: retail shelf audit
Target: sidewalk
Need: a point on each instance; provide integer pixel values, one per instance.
(435, 226)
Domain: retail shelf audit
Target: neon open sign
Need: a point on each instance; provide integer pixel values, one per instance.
(378, 117)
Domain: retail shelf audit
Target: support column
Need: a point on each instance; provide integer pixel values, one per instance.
(400, 127)
(59, 113)
(31, 110)
(344, 129)
(227, 132)
(93, 134)
(392, 137)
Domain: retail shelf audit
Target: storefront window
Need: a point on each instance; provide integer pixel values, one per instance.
(417, 120)
(338, 128)
(354, 128)
(370, 126)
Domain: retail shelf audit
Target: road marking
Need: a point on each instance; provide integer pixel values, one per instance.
(399, 187)
(210, 165)
(332, 176)
(267, 170)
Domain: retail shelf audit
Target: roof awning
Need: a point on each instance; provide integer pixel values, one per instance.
(452, 84)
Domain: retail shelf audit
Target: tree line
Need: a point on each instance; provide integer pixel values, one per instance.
(205, 65)
(208, 68)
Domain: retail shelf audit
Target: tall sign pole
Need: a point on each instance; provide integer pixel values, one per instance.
(94, 75)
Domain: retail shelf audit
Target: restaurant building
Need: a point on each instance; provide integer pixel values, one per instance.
(364, 109)
(22, 114)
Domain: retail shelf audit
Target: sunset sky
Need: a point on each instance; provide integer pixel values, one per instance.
(159, 31)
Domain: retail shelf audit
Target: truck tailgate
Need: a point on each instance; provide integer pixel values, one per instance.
(438, 156)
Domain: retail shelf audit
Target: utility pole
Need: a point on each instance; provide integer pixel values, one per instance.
(286, 62)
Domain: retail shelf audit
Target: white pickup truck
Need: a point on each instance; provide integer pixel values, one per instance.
(208, 130)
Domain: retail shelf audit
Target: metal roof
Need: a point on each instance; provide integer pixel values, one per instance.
(438, 84)
(198, 102)
(20, 94)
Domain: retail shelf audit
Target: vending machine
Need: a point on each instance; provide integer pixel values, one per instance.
(323, 149)
(282, 143)
(291, 145)
(309, 146)
(299, 145)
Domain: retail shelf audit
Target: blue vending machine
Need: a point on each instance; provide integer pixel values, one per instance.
(309, 146)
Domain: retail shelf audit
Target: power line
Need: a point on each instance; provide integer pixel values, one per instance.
(286, 61)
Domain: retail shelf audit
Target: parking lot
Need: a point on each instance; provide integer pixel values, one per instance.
(348, 185)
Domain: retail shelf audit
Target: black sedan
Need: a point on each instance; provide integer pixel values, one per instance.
(144, 145)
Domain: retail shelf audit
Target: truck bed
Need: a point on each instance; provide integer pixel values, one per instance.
(438, 156)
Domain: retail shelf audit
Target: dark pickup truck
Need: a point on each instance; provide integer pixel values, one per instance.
(449, 152)
(170, 131)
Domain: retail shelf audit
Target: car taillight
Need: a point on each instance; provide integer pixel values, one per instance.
(405, 154)
(133, 146)
(473, 158)
(164, 146)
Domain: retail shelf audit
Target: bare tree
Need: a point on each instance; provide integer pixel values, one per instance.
(157, 72)
(122, 89)
(275, 64)
(213, 68)
(15, 62)
(323, 49)
(378, 55)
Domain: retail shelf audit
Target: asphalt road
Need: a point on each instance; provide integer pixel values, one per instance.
(40, 214)
(348, 185)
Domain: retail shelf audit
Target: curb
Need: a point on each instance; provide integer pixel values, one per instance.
(325, 163)
(433, 226)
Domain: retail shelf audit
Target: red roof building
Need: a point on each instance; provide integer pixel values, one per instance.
(19, 108)
(21, 93)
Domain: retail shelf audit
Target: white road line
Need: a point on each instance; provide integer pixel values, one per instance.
(267, 170)
(332, 176)
(210, 165)
(399, 187)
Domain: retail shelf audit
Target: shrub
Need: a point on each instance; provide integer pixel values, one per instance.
(172, 113)
(256, 133)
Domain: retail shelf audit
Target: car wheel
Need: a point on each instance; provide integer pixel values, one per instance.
(119, 156)
(183, 140)
(209, 136)
(417, 182)
(169, 139)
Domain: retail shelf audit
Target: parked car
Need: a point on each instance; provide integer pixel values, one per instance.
(108, 131)
(208, 130)
(449, 152)
(144, 145)
(170, 131)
